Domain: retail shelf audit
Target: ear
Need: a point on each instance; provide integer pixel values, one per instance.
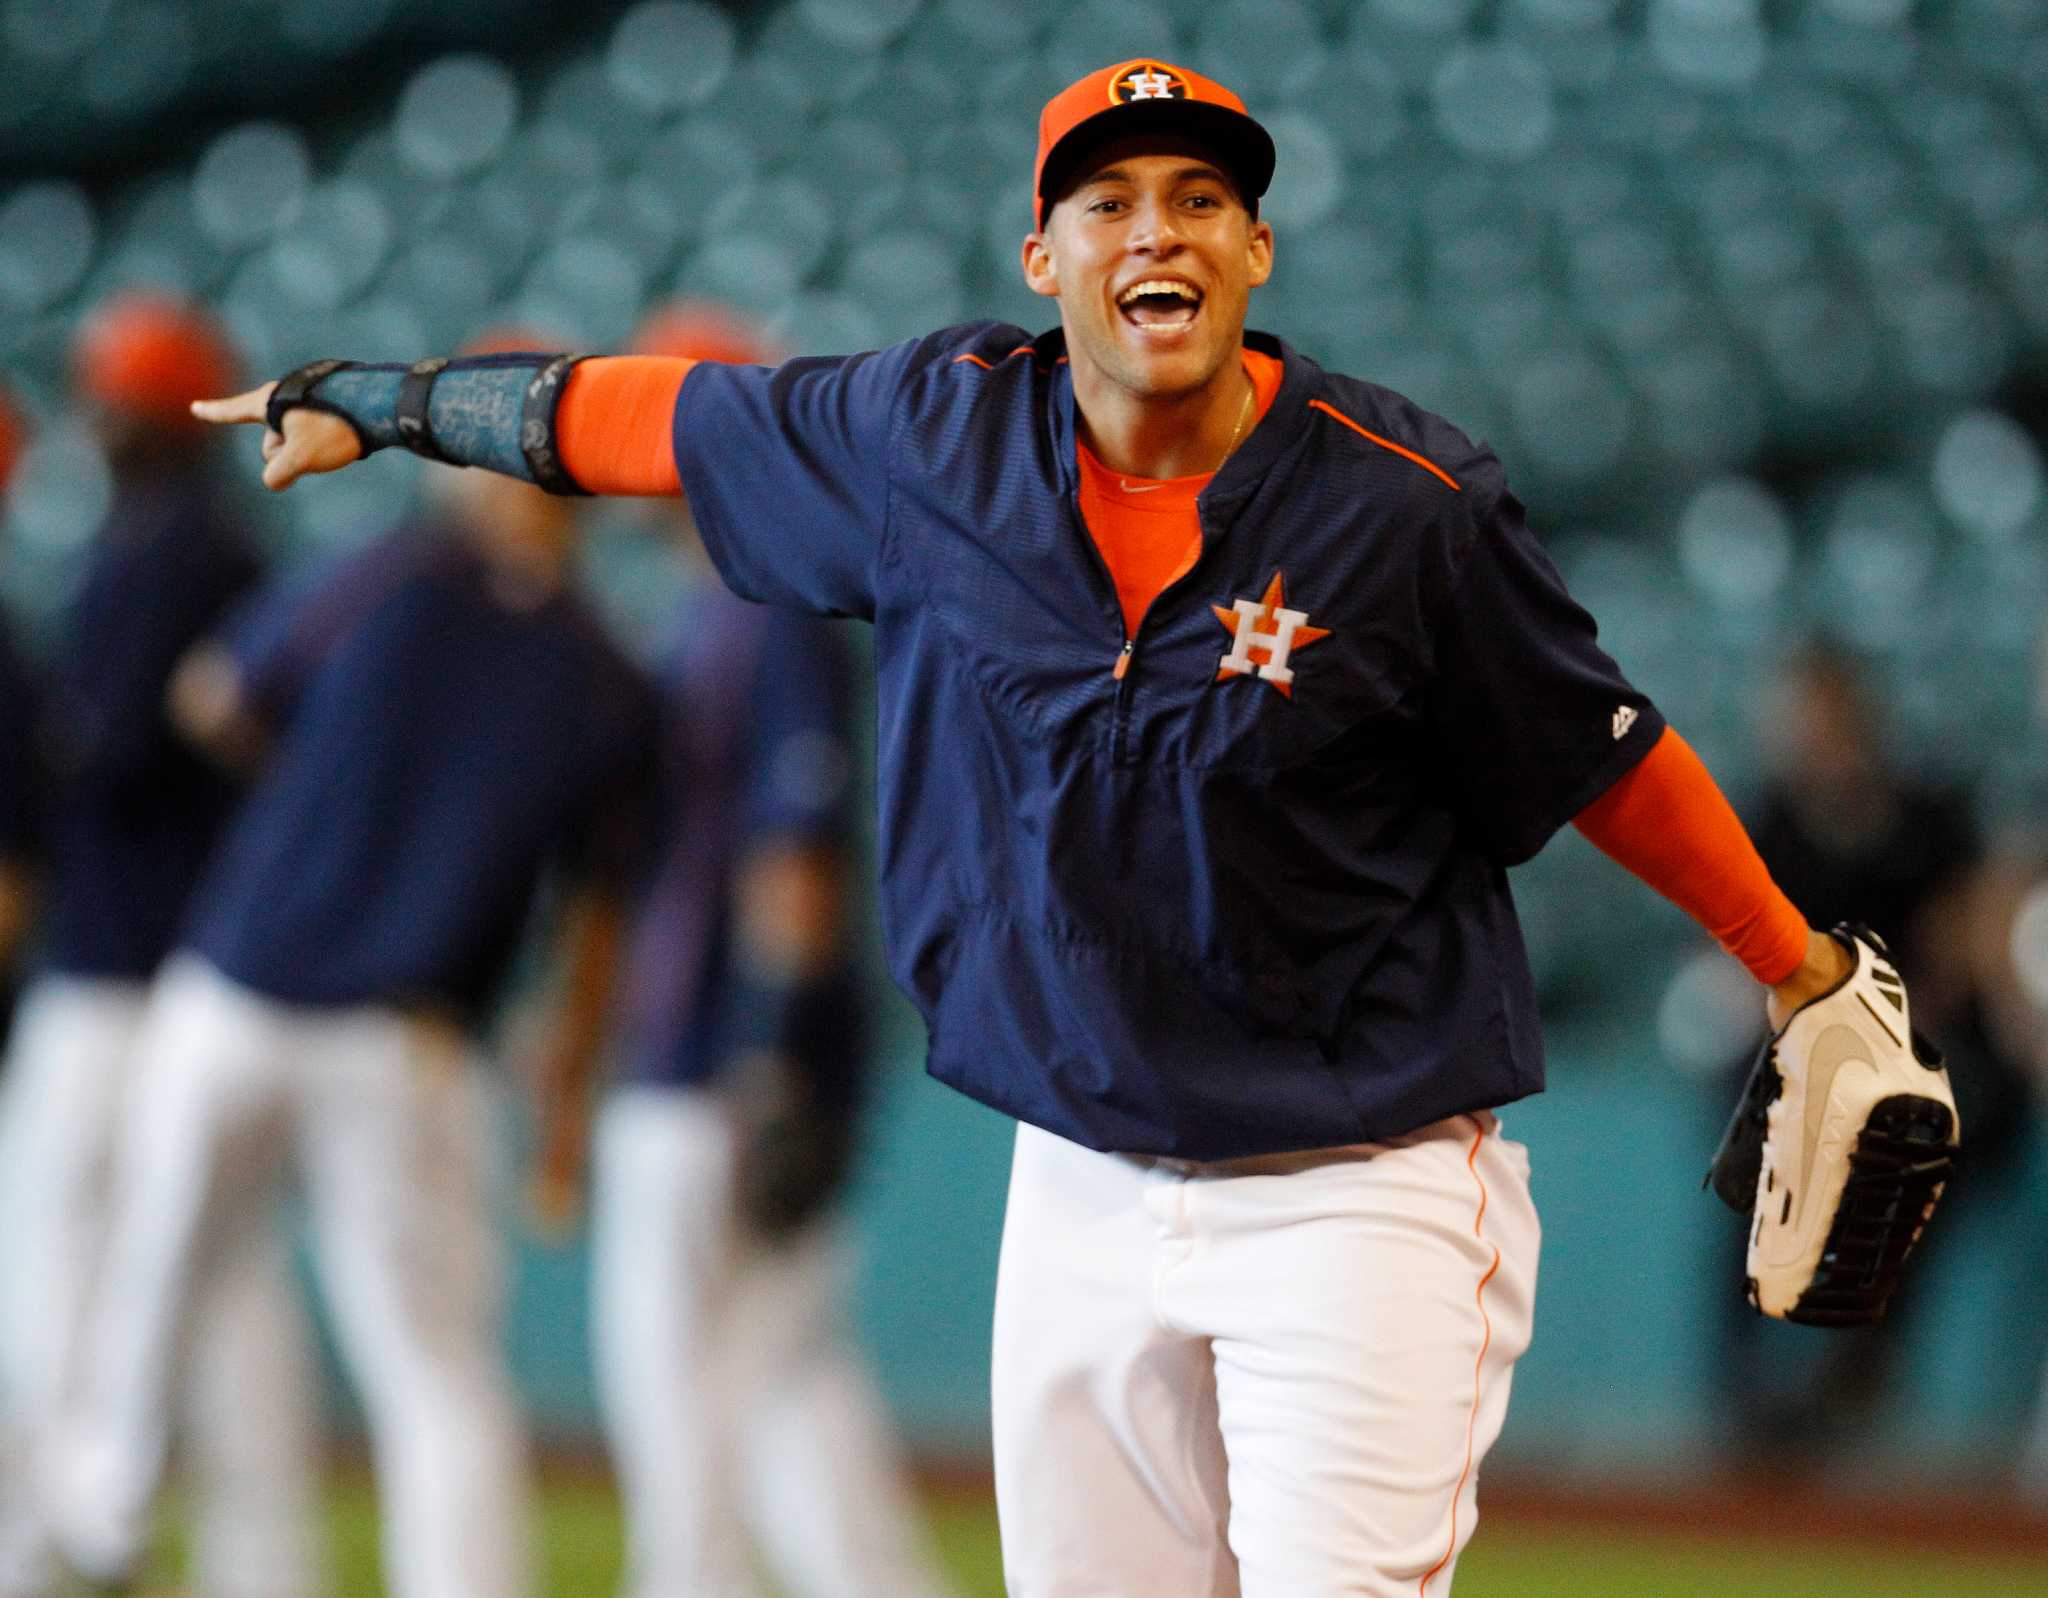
(1260, 248)
(1041, 275)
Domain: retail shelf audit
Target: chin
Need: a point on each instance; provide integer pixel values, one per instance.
(1172, 374)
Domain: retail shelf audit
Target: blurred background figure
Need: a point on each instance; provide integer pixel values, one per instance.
(1851, 834)
(133, 816)
(733, 1398)
(20, 774)
(435, 722)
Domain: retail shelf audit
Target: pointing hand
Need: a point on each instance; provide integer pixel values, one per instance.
(312, 441)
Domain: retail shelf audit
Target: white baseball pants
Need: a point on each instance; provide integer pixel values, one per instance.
(384, 1115)
(248, 1421)
(733, 1399)
(1256, 1378)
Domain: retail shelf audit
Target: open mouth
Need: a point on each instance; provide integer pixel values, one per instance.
(1160, 302)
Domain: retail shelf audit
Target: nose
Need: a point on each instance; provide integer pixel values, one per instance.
(1156, 229)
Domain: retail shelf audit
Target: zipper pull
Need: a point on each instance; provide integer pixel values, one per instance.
(1123, 660)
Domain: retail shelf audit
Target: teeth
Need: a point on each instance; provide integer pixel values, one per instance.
(1159, 285)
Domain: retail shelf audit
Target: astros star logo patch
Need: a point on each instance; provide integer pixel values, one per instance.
(1264, 633)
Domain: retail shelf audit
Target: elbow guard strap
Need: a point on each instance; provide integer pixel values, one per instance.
(294, 391)
(415, 395)
(493, 411)
(537, 427)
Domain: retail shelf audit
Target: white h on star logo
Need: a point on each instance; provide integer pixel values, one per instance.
(1275, 645)
(1263, 634)
(1151, 84)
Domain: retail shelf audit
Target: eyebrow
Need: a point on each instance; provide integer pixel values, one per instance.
(1115, 174)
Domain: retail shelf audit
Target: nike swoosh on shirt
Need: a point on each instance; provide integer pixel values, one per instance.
(1137, 488)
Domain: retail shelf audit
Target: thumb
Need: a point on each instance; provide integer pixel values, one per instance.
(287, 463)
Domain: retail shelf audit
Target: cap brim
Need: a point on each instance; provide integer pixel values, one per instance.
(1243, 148)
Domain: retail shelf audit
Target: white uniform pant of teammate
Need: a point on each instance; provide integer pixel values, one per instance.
(247, 1421)
(732, 1396)
(1269, 1377)
(385, 1116)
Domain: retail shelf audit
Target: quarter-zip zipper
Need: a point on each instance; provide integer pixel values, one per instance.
(1121, 671)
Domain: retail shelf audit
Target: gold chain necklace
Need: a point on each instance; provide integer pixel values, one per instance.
(1243, 411)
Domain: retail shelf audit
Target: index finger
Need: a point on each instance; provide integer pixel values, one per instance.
(247, 407)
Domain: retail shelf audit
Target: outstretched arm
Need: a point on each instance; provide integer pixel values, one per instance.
(1669, 823)
(601, 426)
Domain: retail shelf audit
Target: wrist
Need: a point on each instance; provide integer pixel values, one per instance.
(1823, 968)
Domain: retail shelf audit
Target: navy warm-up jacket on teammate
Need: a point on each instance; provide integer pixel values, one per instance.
(134, 809)
(21, 778)
(439, 747)
(1170, 909)
(757, 753)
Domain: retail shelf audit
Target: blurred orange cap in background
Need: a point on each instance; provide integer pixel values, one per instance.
(698, 330)
(13, 439)
(510, 338)
(147, 354)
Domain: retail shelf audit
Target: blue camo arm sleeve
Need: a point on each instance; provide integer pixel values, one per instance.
(476, 407)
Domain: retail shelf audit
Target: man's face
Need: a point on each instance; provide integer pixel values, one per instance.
(1153, 258)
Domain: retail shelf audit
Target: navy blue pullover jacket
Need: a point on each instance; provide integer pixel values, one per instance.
(1175, 910)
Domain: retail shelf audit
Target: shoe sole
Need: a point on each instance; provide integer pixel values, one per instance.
(1903, 1157)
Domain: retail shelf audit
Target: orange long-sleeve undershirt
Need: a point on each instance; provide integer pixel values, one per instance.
(1669, 823)
(1146, 528)
(615, 425)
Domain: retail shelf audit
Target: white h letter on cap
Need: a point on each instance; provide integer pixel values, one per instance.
(1277, 643)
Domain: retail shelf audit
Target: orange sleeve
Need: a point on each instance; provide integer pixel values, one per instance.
(615, 425)
(1669, 823)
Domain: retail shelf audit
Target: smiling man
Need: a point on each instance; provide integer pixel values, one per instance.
(1216, 693)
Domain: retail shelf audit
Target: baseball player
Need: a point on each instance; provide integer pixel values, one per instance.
(1216, 692)
(718, 1275)
(132, 814)
(20, 778)
(443, 720)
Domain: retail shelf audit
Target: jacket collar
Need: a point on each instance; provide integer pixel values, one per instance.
(1278, 431)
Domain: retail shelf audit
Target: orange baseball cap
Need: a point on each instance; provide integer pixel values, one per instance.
(1137, 96)
(151, 355)
(697, 330)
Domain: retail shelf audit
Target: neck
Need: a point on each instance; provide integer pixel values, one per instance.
(1180, 435)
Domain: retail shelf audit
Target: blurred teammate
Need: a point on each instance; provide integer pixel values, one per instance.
(20, 773)
(133, 814)
(729, 1381)
(1216, 693)
(1848, 833)
(437, 720)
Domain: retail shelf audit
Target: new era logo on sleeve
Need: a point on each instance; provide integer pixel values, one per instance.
(1263, 634)
(1624, 718)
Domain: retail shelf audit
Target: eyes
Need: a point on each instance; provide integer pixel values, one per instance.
(1197, 202)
